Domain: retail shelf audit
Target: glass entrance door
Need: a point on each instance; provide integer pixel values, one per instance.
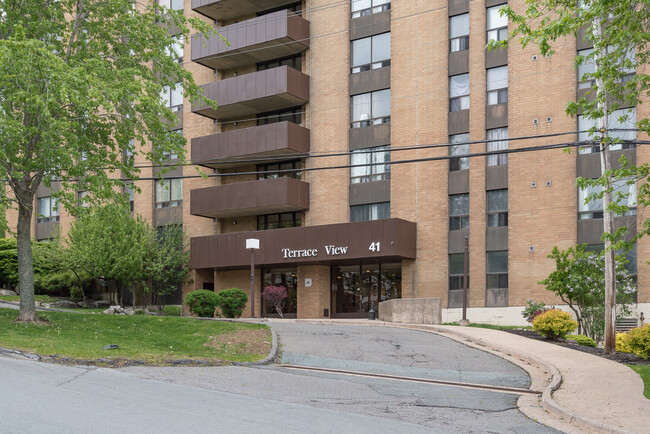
(286, 278)
(358, 288)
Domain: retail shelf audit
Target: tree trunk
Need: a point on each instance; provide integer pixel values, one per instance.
(608, 218)
(25, 261)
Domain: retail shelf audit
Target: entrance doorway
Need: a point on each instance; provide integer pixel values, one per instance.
(281, 277)
(358, 288)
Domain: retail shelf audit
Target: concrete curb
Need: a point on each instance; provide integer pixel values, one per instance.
(547, 401)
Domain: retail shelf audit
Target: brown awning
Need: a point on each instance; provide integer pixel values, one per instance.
(378, 240)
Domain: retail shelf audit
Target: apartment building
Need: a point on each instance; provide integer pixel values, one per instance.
(329, 146)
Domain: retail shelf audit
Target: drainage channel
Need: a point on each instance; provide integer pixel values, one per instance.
(502, 389)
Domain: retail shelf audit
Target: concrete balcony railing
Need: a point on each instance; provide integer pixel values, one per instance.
(273, 36)
(229, 9)
(266, 196)
(232, 148)
(258, 92)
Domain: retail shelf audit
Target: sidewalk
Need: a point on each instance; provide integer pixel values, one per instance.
(581, 392)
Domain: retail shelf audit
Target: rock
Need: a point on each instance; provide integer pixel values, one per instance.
(129, 311)
(7, 292)
(111, 347)
(109, 311)
(64, 304)
(101, 303)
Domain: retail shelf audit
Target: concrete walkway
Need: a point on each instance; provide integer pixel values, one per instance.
(580, 392)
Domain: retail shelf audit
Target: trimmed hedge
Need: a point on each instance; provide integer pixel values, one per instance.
(202, 302)
(554, 324)
(231, 302)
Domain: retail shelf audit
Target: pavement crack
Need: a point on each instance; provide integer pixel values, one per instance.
(86, 370)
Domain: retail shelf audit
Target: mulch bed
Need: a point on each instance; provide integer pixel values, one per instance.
(627, 358)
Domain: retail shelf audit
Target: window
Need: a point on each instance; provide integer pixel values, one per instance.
(497, 85)
(458, 212)
(170, 155)
(177, 48)
(277, 170)
(497, 25)
(617, 120)
(175, 5)
(169, 192)
(370, 53)
(457, 271)
(82, 197)
(129, 192)
(594, 209)
(497, 208)
(276, 221)
(367, 165)
(294, 61)
(173, 98)
(588, 67)
(497, 269)
(293, 114)
(497, 141)
(459, 146)
(370, 108)
(48, 209)
(458, 92)
(362, 8)
(293, 7)
(459, 33)
(129, 152)
(371, 211)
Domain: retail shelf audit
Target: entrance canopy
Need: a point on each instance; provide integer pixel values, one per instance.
(389, 239)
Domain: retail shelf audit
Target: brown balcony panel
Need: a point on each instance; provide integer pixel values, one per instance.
(227, 9)
(258, 92)
(221, 151)
(272, 36)
(268, 196)
(394, 239)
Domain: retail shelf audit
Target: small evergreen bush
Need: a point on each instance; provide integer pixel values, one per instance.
(638, 340)
(202, 302)
(621, 343)
(586, 341)
(554, 324)
(231, 302)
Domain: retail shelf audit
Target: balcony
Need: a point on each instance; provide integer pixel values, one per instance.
(228, 9)
(226, 150)
(247, 95)
(267, 196)
(272, 36)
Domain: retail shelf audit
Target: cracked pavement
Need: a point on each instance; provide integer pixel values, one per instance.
(381, 350)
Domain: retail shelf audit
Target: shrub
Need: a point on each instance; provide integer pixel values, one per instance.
(554, 324)
(275, 296)
(622, 345)
(231, 302)
(586, 341)
(638, 340)
(202, 302)
(533, 309)
(75, 293)
(172, 310)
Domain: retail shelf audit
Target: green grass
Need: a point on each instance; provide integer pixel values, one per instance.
(152, 339)
(40, 298)
(644, 372)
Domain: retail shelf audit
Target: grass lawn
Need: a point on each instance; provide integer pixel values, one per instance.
(644, 372)
(151, 339)
(40, 298)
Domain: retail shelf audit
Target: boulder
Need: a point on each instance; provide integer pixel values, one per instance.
(7, 292)
(115, 310)
(64, 304)
(99, 304)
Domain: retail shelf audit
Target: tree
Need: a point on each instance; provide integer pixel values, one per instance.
(108, 243)
(79, 80)
(168, 264)
(579, 281)
(275, 296)
(618, 32)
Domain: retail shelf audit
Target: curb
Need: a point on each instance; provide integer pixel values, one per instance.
(547, 401)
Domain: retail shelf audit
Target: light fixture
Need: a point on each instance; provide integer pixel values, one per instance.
(234, 222)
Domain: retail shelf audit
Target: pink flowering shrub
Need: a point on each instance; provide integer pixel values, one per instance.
(275, 296)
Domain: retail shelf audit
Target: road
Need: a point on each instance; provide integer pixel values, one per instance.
(278, 398)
